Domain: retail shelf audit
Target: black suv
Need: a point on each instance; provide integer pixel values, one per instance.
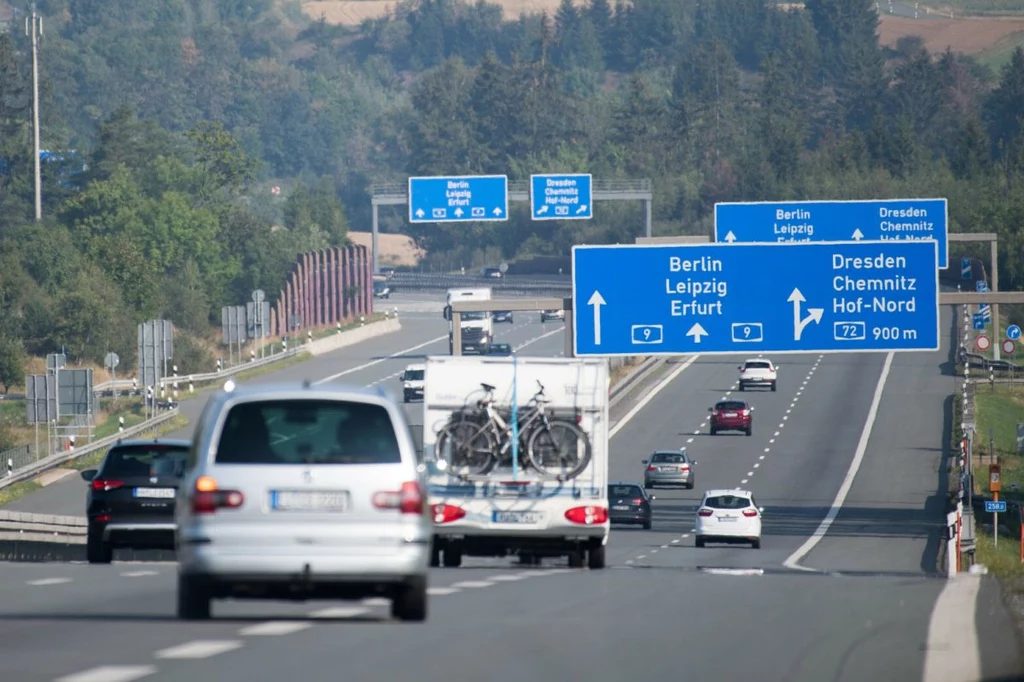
(630, 504)
(131, 496)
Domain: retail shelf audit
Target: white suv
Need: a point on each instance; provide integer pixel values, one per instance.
(728, 516)
(294, 492)
(758, 373)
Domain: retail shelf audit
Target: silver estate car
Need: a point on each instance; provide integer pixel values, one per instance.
(669, 467)
(296, 492)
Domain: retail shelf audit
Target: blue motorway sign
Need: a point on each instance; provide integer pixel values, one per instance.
(978, 321)
(561, 197)
(995, 507)
(820, 297)
(966, 268)
(834, 221)
(455, 199)
(1013, 332)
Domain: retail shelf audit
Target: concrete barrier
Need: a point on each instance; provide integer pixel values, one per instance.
(353, 336)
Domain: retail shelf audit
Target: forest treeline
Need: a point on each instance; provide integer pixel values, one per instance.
(175, 118)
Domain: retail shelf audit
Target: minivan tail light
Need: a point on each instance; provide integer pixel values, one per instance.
(104, 484)
(685, 467)
(587, 516)
(446, 513)
(705, 512)
(409, 500)
(750, 512)
(746, 413)
(207, 498)
(652, 468)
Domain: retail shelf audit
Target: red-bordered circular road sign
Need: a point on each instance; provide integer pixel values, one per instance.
(982, 343)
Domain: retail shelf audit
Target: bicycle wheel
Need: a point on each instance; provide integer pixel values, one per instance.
(560, 449)
(466, 448)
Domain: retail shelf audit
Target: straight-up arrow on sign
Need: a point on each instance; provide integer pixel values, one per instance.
(597, 301)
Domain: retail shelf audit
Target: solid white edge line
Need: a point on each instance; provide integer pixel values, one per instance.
(367, 365)
(952, 654)
(619, 425)
(844, 489)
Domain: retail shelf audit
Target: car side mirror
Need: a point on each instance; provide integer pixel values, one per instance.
(643, 461)
(403, 377)
(653, 498)
(88, 474)
(447, 313)
(711, 409)
(740, 368)
(760, 510)
(693, 461)
(751, 408)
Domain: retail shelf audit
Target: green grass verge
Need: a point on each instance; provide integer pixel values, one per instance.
(978, 7)
(998, 412)
(1002, 561)
(17, 491)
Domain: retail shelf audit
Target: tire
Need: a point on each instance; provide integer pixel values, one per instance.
(698, 541)
(405, 397)
(472, 448)
(410, 601)
(750, 430)
(689, 486)
(773, 387)
(648, 486)
(755, 544)
(714, 431)
(571, 434)
(193, 599)
(97, 551)
(648, 524)
(435, 556)
(575, 559)
(743, 386)
(452, 557)
(596, 558)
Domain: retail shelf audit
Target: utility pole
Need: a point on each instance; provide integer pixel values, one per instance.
(34, 28)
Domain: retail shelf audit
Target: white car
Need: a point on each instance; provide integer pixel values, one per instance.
(729, 516)
(412, 382)
(546, 315)
(760, 373)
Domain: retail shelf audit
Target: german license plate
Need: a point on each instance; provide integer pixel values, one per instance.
(730, 414)
(726, 519)
(517, 517)
(620, 507)
(162, 493)
(309, 500)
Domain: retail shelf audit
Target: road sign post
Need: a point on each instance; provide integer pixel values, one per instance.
(835, 221)
(455, 199)
(719, 299)
(561, 197)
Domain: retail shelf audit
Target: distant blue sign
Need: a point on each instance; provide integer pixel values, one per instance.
(561, 197)
(978, 321)
(1013, 332)
(834, 221)
(756, 298)
(458, 199)
(980, 286)
(966, 268)
(995, 507)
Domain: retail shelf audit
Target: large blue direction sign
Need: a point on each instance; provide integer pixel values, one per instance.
(834, 221)
(458, 199)
(561, 197)
(755, 298)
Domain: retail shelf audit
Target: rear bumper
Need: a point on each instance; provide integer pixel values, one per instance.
(668, 479)
(628, 517)
(138, 535)
(757, 381)
(731, 425)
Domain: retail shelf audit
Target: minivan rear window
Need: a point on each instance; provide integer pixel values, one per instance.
(147, 460)
(308, 432)
(728, 502)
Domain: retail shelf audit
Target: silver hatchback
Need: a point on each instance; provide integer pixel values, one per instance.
(669, 467)
(294, 492)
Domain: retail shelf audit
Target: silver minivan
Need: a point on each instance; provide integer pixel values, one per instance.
(297, 492)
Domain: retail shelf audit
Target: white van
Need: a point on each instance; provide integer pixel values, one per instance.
(412, 381)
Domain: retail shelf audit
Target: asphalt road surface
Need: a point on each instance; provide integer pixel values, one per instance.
(844, 457)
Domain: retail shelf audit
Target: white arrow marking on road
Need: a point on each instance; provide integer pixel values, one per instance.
(458, 213)
(858, 235)
(697, 331)
(813, 314)
(730, 237)
(497, 211)
(597, 301)
(420, 213)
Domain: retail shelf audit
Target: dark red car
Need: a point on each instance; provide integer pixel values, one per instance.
(731, 415)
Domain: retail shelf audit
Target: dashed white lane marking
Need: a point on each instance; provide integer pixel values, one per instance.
(767, 449)
(111, 673)
(771, 440)
(340, 612)
(689, 440)
(757, 464)
(274, 628)
(139, 574)
(675, 542)
(473, 583)
(654, 551)
(750, 473)
(642, 556)
(376, 601)
(440, 591)
(664, 547)
(49, 581)
(367, 365)
(761, 457)
(743, 482)
(776, 434)
(507, 578)
(696, 433)
(200, 648)
(630, 561)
